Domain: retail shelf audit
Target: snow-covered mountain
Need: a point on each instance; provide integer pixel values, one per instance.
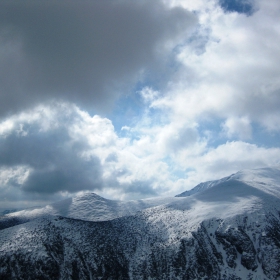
(266, 179)
(88, 207)
(224, 229)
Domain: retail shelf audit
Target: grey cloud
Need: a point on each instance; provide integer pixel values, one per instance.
(53, 159)
(140, 187)
(182, 138)
(260, 107)
(112, 158)
(48, 143)
(199, 39)
(134, 188)
(13, 197)
(82, 51)
(70, 177)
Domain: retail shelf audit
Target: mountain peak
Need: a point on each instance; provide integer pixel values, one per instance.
(225, 229)
(265, 179)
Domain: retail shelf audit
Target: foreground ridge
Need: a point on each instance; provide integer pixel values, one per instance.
(230, 230)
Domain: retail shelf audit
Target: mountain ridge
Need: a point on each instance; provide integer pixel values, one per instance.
(87, 206)
(255, 177)
(228, 231)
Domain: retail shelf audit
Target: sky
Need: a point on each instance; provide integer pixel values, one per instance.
(134, 99)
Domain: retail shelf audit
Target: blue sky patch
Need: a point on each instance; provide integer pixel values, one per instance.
(240, 6)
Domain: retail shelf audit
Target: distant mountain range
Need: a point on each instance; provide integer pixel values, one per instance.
(223, 229)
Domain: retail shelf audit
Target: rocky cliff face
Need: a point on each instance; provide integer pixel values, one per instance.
(235, 235)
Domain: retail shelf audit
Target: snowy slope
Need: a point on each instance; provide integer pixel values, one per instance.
(266, 179)
(225, 199)
(228, 230)
(89, 207)
(200, 188)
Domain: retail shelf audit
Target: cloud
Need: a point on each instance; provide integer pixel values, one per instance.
(58, 148)
(239, 127)
(238, 155)
(176, 138)
(148, 94)
(226, 159)
(191, 101)
(235, 74)
(84, 52)
(51, 157)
